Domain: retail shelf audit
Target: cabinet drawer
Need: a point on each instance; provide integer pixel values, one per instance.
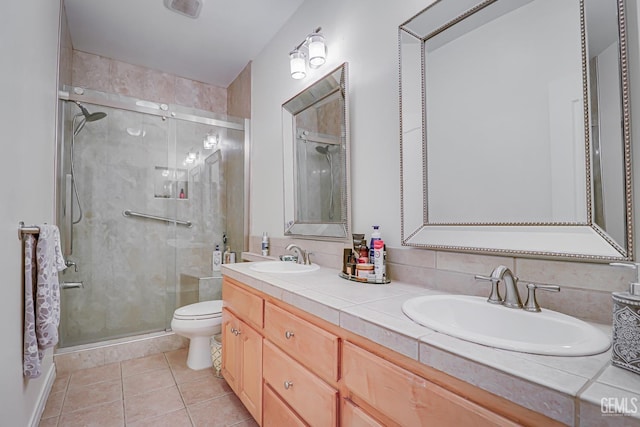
(247, 306)
(353, 416)
(314, 400)
(276, 413)
(407, 398)
(312, 346)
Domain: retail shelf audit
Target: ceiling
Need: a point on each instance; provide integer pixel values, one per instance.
(214, 48)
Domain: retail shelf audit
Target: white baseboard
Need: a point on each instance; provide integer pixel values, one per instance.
(44, 395)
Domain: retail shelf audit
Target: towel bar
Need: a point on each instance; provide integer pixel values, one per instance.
(29, 229)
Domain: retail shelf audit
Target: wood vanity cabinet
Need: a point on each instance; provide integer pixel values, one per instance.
(242, 346)
(290, 368)
(310, 397)
(353, 416)
(276, 413)
(406, 398)
(310, 345)
(242, 361)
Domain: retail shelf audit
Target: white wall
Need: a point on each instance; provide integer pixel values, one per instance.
(28, 51)
(363, 33)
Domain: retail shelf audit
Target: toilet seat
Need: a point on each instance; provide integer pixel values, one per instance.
(199, 311)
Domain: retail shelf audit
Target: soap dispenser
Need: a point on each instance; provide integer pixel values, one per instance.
(626, 324)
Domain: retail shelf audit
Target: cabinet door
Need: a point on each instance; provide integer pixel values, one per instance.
(242, 362)
(231, 350)
(353, 416)
(407, 398)
(312, 346)
(277, 413)
(313, 399)
(251, 370)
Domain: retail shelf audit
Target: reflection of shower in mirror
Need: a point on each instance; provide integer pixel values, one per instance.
(325, 150)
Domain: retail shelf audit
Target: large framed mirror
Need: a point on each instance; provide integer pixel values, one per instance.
(515, 133)
(315, 133)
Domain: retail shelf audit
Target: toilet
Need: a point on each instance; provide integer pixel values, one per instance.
(198, 322)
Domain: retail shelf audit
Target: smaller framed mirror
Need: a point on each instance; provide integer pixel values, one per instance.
(315, 133)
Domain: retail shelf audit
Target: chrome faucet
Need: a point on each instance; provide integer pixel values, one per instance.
(69, 263)
(303, 256)
(504, 275)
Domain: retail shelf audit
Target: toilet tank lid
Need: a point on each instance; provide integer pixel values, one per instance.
(200, 308)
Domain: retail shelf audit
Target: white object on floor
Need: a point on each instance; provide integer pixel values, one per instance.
(198, 322)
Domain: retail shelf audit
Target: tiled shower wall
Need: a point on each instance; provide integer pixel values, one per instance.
(111, 76)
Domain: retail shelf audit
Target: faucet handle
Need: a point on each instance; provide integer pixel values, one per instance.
(494, 297)
(308, 260)
(532, 303)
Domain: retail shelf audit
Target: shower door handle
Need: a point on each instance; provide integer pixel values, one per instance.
(68, 215)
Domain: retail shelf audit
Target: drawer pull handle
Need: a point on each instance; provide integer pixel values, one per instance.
(288, 334)
(235, 331)
(288, 385)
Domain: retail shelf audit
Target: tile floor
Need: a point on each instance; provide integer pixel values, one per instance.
(157, 390)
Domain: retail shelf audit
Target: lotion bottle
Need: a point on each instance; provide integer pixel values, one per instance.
(216, 259)
(378, 260)
(375, 235)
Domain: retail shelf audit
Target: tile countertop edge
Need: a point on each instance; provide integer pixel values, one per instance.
(466, 365)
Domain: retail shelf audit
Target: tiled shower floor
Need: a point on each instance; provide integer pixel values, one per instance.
(157, 390)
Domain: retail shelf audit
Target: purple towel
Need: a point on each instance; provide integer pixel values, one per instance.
(42, 261)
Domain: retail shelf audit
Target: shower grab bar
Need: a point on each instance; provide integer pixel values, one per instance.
(130, 213)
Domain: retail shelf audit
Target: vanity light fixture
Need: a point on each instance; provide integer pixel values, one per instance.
(211, 141)
(191, 157)
(317, 54)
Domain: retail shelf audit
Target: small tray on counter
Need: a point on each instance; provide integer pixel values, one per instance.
(361, 280)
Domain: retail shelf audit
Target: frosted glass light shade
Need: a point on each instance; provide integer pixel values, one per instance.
(317, 50)
(297, 64)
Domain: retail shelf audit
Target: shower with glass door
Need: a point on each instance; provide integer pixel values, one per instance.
(143, 195)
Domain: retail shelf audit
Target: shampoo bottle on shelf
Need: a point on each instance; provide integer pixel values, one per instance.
(216, 259)
(265, 244)
(375, 235)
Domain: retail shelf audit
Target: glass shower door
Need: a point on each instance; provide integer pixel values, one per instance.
(123, 163)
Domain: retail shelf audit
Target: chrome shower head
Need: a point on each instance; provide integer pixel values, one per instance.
(90, 117)
(86, 117)
(323, 149)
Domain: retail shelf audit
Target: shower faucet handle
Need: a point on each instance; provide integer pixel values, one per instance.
(71, 263)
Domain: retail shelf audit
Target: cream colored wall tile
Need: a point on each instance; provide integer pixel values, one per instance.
(594, 306)
(601, 277)
(471, 263)
(159, 87)
(91, 71)
(239, 94)
(411, 256)
(127, 79)
(214, 98)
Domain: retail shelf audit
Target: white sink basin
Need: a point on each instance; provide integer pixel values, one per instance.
(474, 319)
(283, 267)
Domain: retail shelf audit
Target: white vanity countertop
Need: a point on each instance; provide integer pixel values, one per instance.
(546, 384)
